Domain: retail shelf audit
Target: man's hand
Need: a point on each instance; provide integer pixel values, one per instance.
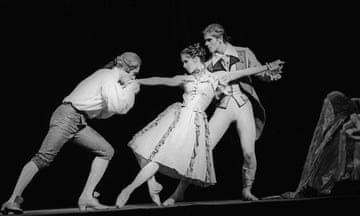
(274, 70)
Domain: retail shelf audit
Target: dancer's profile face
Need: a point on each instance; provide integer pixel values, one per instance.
(190, 64)
(212, 43)
(135, 71)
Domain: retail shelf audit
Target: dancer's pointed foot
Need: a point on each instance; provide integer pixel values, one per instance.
(154, 189)
(248, 196)
(91, 203)
(169, 202)
(122, 198)
(12, 207)
(156, 199)
(173, 199)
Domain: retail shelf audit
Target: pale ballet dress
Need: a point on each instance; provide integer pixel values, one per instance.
(178, 139)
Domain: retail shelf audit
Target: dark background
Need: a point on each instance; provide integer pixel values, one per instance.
(49, 46)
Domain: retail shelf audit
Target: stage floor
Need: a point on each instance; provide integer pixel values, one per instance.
(270, 205)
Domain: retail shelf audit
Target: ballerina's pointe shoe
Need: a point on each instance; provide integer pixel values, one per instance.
(156, 199)
(122, 198)
(12, 207)
(91, 203)
(154, 189)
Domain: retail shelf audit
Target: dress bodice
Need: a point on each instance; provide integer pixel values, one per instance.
(199, 90)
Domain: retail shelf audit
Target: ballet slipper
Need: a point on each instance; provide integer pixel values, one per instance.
(248, 196)
(12, 207)
(154, 189)
(122, 198)
(172, 200)
(169, 202)
(156, 199)
(92, 203)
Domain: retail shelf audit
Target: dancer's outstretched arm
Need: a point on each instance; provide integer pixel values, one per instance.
(273, 68)
(167, 81)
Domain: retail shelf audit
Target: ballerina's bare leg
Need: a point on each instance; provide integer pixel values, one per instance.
(147, 172)
(154, 187)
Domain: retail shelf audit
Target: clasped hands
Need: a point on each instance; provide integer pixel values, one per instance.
(274, 69)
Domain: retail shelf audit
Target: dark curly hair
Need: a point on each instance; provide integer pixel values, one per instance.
(195, 50)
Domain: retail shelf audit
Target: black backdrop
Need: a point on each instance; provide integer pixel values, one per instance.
(49, 46)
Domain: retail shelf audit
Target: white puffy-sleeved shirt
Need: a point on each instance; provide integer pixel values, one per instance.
(101, 95)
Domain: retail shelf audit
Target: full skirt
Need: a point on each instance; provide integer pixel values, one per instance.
(178, 140)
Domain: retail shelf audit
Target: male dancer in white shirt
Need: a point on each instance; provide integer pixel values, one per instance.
(101, 95)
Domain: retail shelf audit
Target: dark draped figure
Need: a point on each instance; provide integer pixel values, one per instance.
(334, 151)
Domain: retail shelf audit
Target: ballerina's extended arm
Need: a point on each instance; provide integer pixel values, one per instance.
(167, 81)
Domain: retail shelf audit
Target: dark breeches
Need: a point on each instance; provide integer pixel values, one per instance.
(67, 124)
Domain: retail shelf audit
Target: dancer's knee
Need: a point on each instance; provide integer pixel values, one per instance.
(43, 160)
(106, 153)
